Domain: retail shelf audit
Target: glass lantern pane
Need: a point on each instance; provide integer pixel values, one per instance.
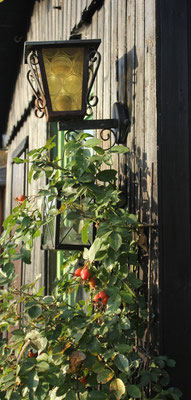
(70, 231)
(48, 241)
(64, 71)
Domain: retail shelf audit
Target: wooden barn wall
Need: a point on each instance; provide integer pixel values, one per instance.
(127, 73)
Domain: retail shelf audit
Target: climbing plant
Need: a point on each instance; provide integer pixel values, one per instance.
(93, 349)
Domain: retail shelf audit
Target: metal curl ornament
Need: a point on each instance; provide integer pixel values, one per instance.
(40, 104)
(33, 77)
(68, 135)
(108, 137)
(89, 111)
(94, 57)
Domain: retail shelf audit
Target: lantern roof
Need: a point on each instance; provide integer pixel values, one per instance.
(89, 43)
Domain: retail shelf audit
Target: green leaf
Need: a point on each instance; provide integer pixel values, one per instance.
(35, 311)
(97, 395)
(92, 142)
(32, 380)
(118, 386)
(107, 175)
(133, 281)
(123, 348)
(171, 363)
(63, 388)
(70, 395)
(25, 255)
(26, 221)
(127, 297)
(115, 241)
(43, 366)
(84, 232)
(94, 346)
(86, 177)
(17, 332)
(125, 323)
(134, 391)
(119, 149)
(94, 249)
(37, 233)
(105, 376)
(99, 150)
(78, 335)
(18, 160)
(98, 367)
(38, 342)
(48, 300)
(122, 363)
(7, 221)
(113, 304)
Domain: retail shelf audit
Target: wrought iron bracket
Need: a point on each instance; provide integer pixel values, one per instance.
(118, 126)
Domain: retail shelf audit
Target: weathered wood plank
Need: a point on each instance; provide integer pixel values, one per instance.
(65, 20)
(122, 33)
(78, 11)
(73, 14)
(101, 68)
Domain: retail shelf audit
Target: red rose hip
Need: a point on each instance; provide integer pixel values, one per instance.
(92, 282)
(105, 300)
(96, 298)
(85, 274)
(78, 272)
(102, 294)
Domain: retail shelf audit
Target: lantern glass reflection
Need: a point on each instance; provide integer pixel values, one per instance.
(60, 232)
(64, 71)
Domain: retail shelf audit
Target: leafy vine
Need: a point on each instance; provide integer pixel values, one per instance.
(94, 348)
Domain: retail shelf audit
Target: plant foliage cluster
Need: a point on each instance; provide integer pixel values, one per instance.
(50, 349)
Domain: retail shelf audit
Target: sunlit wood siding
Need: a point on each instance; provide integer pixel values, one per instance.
(127, 74)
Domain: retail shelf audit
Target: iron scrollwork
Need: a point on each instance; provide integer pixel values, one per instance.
(70, 135)
(34, 81)
(106, 134)
(94, 63)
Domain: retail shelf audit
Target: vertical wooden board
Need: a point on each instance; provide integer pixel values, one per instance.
(106, 67)
(73, 14)
(45, 19)
(95, 35)
(68, 19)
(101, 68)
(107, 60)
(122, 20)
(49, 20)
(139, 79)
(123, 8)
(113, 63)
(84, 4)
(65, 20)
(151, 126)
(40, 26)
(35, 31)
(78, 11)
(150, 83)
(56, 14)
(114, 50)
(60, 21)
(139, 108)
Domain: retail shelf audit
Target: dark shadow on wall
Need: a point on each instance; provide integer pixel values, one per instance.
(125, 72)
(138, 183)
